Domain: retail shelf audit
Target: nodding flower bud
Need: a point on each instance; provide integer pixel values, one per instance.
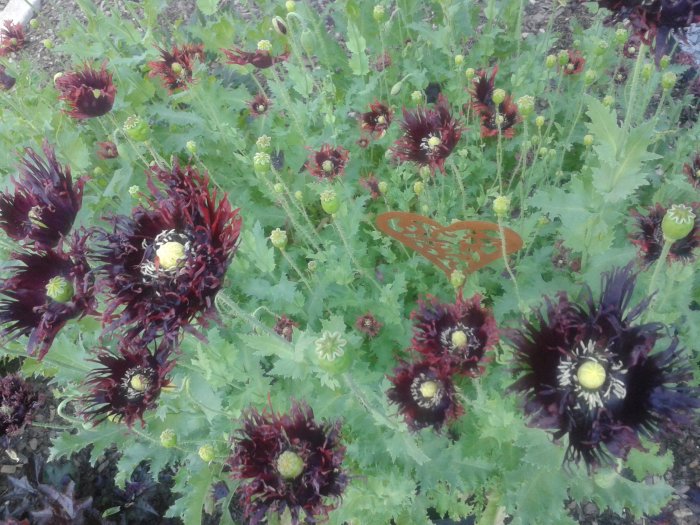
(264, 45)
(501, 206)
(191, 146)
(457, 279)
(469, 73)
(459, 60)
(647, 70)
(417, 97)
(290, 5)
(588, 140)
(261, 163)
(621, 36)
(307, 41)
(383, 187)
(608, 101)
(264, 143)
(678, 222)
(550, 61)
(278, 238)
(168, 438)
(668, 80)
(206, 453)
(563, 57)
(418, 188)
(59, 289)
(330, 202)
(379, 13)
(543, 151)
(136, 128)
(526, 105)
(539, 121)
(665, 62)
(396, 88)
(498, 96)
(279, 25)
(589, 77)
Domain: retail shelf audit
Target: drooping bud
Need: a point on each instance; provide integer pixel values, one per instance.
(396, 88)
(279, 25)
(678, 222)
(278, 238)
(59, 289)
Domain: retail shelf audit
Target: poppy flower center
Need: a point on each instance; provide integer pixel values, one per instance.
(431, 142)
(59, 289)
(170, 254)
(426, 392)
(290, 465)
(459, 339)
(97, 93)
(327, 166)
(591, 375)
(166, 256)
(261, 108)
(137, 381)
(381, 120)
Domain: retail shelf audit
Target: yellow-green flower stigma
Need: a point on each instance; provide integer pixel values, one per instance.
(97, 93)
(330, 346)
(290, 465)
(138, 383)
(460, 339)
(177, 68)
(591, 375)
(264, 45)
(327, 166)
(428, 389)
(170, 255)
(381, 119)
(59, 289)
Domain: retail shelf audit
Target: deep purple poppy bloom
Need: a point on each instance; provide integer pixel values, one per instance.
(482, 90)
(259, 105)
(371, 184)
(368, 325)
(288, 461)
(587, 371)
(425, 394)
(261, 59)
(649, 238)
(6, 81)
(89, 92)
(457, 334)
(692, 171)
(18, 401)
(504, 119)
(163, 265)
(45, 201)
(12, 38)
(429, 137)
(44, 292)
(128, 383)
(575, 64)
(328, 163)
(377, 120)
(175, 67)
(284, 327)
(107, 150)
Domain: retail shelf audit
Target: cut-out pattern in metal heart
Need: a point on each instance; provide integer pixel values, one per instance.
(473, 244)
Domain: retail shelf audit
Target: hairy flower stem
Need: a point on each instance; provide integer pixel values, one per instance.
(296, 269)
(357, 392)
(460, 184)
(660, 262)
(631, 109)
(499, 158)
(519, 26)
(237, 311)
(354, 261)
(300, 208)
(504, 254)
(282, 89)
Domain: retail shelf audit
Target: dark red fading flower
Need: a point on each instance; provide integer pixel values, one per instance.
(425, 395)
(587, 372)
(163, 265)
(89, 92)
(377, 120)
(620, 75)
(692, 171)
(107, 150)
(6, 81)
(45, 201)
(328, 163)
(371, 183)
(288, 462)
(649, 238)
(457, 334)
(261, 59)
(562, 258)
(368, 325)
(575, 64)
(482, 91)
(44, 292)
(504, 119)
(175, 67)
(632, 46)
(128, 383)
(12, 38)
(18, 401)
(284, 327)
(382, 62)
(259, 105)
(429, 137)
(363, 142)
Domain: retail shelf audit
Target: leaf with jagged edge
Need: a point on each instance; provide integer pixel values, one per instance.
(359, 63)
(100, 437)
(195, 487)
(537, 496)
(649, 463)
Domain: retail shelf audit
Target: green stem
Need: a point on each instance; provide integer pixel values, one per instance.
(630, 110)
(661, 261)
(504, 254)
(354, 261)
(519, 26)
(237, 311)
(460, 184)
(296, 269)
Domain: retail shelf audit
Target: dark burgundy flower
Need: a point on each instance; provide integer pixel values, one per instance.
(328, 163)
(368, 325)
(562, 257)
(128, 383)
(175, 67)
(44, 292)
(457, 334)
(6, 81)
(284, 327)
(692, 171)
(382, 62)
(587, 372)
(45, 201)
(259, 105)
(575, 64)
(261, 59)
(18, 401)
(377, 120)
(482, 91)
(425, 395)
(12, 38)
(504, 119)
(429, 137)
(107, 150)
(89, 92)
(631, 47)
(620, 75)
(649, 238)
(363, 142)
(288, 462)
(163, 265)
(371, 183)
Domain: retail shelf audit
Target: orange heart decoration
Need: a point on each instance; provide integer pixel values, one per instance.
(471, 243)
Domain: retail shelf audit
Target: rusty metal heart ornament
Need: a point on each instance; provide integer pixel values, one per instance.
(473, 244)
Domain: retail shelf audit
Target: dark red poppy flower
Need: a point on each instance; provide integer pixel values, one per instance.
(649, 238)
(382, 62)
(163, 265)
(18, 401)
(692, 171)
(377, 120)
(6, 81)
(620, 75)
(328, 163)
(429, 137)
(45, 201)
(259, 105)
(482, 91)
(505, 119)
(44, 292)
(288, 462)
(261, 59)
(363, 142)
(284, 327)
(575, 64)
(368, 325)
(89, 92)
(562, 258)
(12, 38)
(371, 183)
(458, 334)
(632, 46)
(128, 383)
(425, 395)
(587, 371)
(175, 67)
(107, 150)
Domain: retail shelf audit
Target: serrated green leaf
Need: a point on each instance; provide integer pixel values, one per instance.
(207, 7)
(195, 487)
(649, 463)
(359, 63)
(256, 249)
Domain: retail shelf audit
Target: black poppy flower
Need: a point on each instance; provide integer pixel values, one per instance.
(482, 91)
(261, 59)
(127, 383)
(504, 118)
(692, 171)
(429, 137)
(371, 184)
(382, 62)
(163, 265)
(107, 150)
(363, 142)
(632, 46)
(12, 38)
(288, 462)
(575, 64)
(259, 105)
(328, 163)
(649, 238)
(425, 394)
(284, 327)
(368, 325)
(18, 401)
(45, 201)
(587, 371)
(44, 292)
(457, 334)
(89, 92)
(6, 81)
(377, 120)
(175, 66)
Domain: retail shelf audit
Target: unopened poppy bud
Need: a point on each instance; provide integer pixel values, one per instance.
(278, 187)
(668, 80)
(457, 278)
(665, 62)
(459, 60)
(498, 96)
(563, 57)
(264, 143)
(206, 453)
(33, 23)
(396, 88)
(264, 45)
(59, 289)
(330, 202)
(98, 171)
(608, 101)
(550, 61)
(417, 97)
(621, 36)
(261, 163)
(290, 5)
(136, 128)
(307, 41)
(678, 222)
(47, 43)
(379, 13)
(501, 205)
(424, 172)
(539, 121)
(418, 188)
(526, 105)
(589, 77)
(601, 47)
(543, 152)
(647, 70)
(191, 146)
(279, 25)
(168, 438)
(469, 73)
(278, 238)
(632, 50)
(588, 140)
(383, 187)
(134, 191)
(299, 196)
